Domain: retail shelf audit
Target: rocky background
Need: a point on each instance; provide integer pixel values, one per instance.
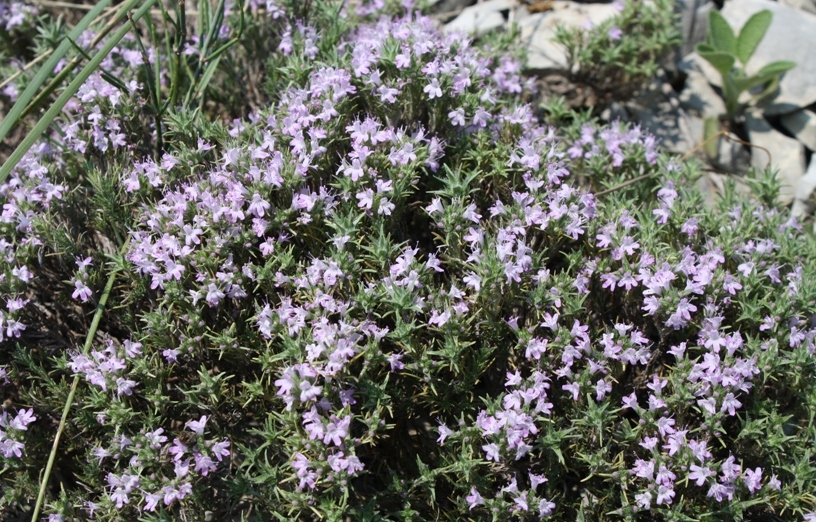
(779, 132)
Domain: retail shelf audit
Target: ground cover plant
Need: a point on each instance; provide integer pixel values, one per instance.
(379, 288)
(619, 56)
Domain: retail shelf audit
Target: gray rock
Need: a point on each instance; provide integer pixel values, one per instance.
(708, 188)
(803, 203)
(693, 22)
(731, 155)
(787, 155)
(658, 110)
(802, 124)
(804, 5)
(481, 17)
(700, 98)
(791, 36)
(538, 31)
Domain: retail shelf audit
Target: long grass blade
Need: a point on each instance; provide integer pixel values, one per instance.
(55, 109)
(70, 66)
(100, 308)
(48, 67)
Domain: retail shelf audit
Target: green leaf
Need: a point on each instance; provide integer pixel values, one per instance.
(710, 129)
(55, 109)
(720, 34)
(770, 72)
(721, 61)
(774, 68)
(47, 68)
(751, 34)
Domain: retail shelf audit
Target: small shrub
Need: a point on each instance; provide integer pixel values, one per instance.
(392, 294)
(620, 55)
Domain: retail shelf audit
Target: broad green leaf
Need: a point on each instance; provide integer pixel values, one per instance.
(47, 68)
(770, 72)
(721, 61)
(751, 34)
(720, 34)
(55, 109)
(775, 68)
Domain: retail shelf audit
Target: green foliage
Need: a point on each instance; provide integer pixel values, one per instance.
(724, 50)
(619, 56)
(482, 318)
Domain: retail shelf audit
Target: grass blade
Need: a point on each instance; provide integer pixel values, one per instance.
(69, 68)
(48, 67)
(100, 308)
(72, 88)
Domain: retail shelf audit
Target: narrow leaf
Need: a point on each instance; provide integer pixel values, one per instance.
(55, 109)
(712, 144)
(751, 34)
(720, 34)
(47, 68)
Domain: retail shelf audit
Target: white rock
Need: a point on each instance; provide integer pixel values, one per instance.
(731, 154)
(481, 17)
(802, 204)
(804, 5)
(538, 31)
(791, 36)
(787, 155)
(693, 22)
(698, 96)
(802, 124)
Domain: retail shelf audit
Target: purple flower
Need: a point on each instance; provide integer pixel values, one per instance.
(615, 34)
(644, 500)
(198, 426)
(545, 507)
(203, 464)
(492, 451)
(171, 355)
(433, 90)
(337, 430)
(395, 360)
(699, 474)
(23, 419)
(664, 495)
(574, 388)
(444, 432)
(151, 501)
(721, 491)
(11, 448)
(81, 291)
(119, 497)
(753, 479)
(474, 499)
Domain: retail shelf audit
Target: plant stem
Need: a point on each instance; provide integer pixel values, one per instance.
(100, 308)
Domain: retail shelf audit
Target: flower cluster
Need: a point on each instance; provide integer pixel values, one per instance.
(143, 463)
(10, 432)
(15, 14)
(105, 368)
